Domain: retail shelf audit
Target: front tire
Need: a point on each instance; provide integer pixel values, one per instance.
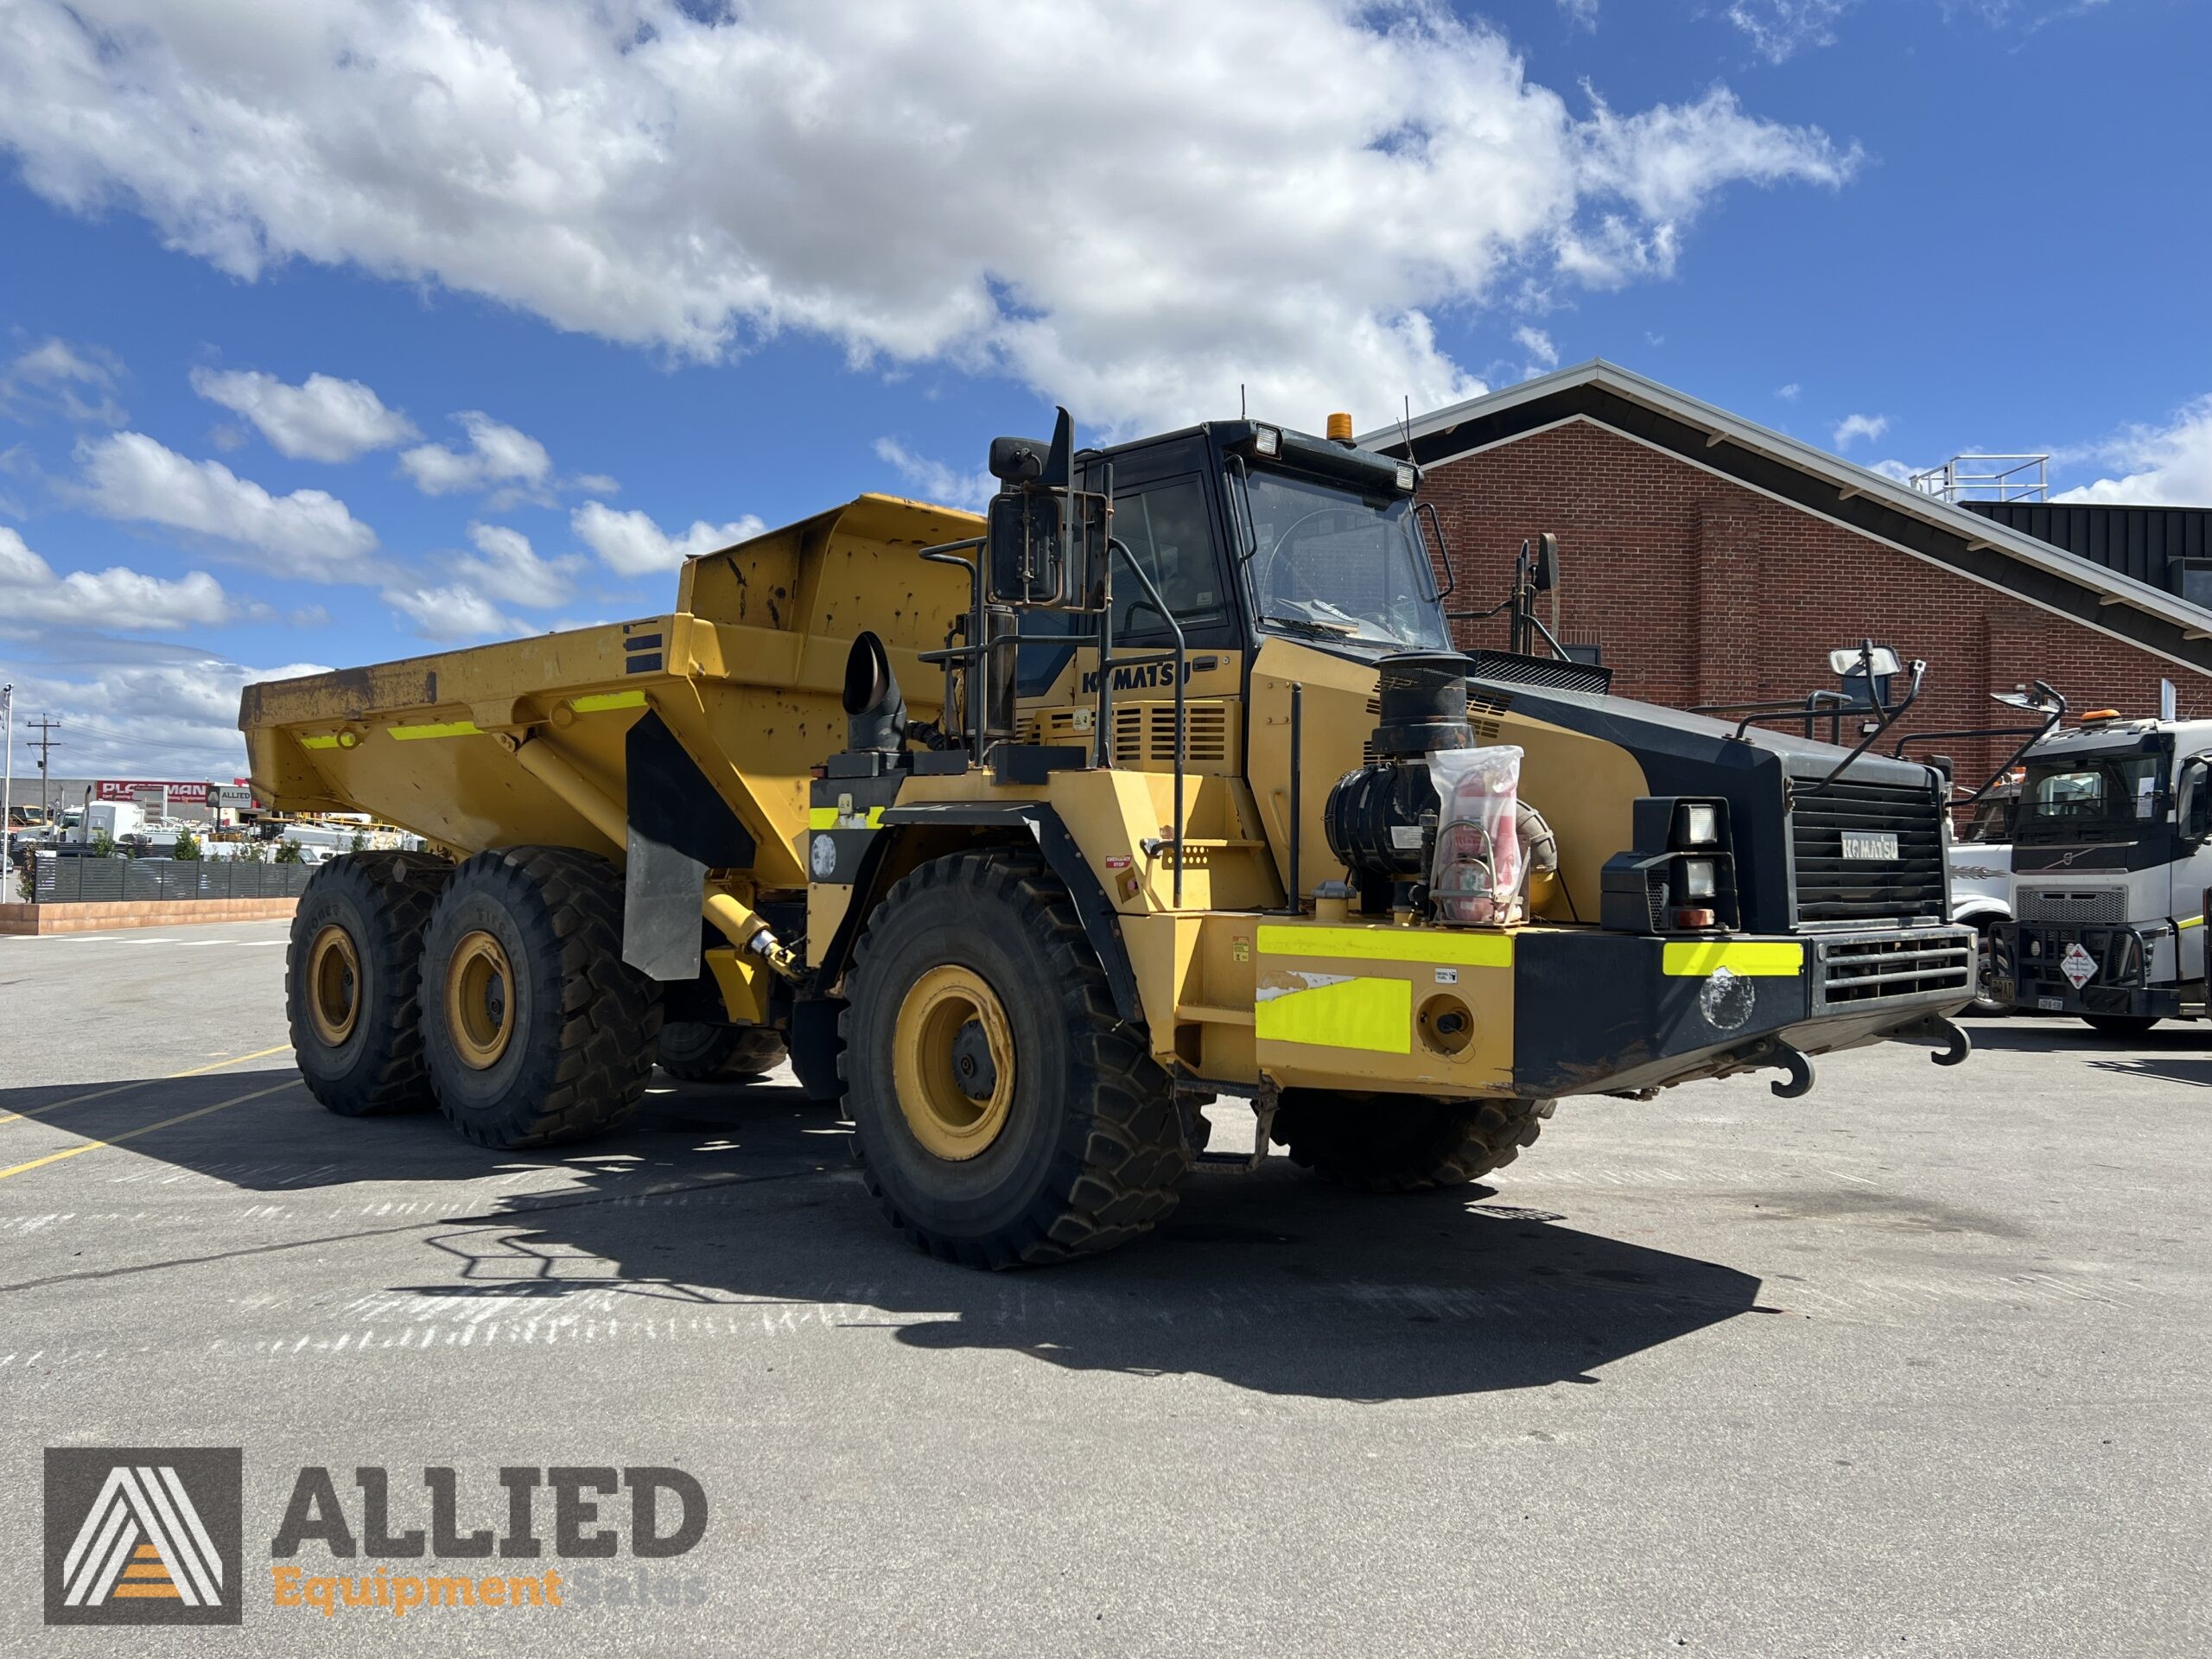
(1002, 1113)
(698, 1051)
(537, 1031)
(1396, 1143)
(351, 974)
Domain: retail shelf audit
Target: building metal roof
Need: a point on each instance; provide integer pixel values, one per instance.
(2164, 546)
(1979, 548)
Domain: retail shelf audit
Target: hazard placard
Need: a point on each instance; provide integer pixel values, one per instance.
(2078, 965)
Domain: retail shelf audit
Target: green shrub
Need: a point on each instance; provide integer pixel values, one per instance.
(102, 844)
(290, 854)
(187, 847)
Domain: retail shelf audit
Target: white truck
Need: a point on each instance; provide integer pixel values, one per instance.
(2112, 857)
(1980, 852)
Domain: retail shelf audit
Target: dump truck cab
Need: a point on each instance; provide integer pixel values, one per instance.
(1026, 835)
(2112, 858)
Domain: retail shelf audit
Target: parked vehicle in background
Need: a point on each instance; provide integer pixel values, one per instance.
(1981, 853)
(2112, 854)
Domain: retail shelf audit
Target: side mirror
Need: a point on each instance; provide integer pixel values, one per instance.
(1846, 661)
(2195, 813)
(1545, 574)
(1044, 542)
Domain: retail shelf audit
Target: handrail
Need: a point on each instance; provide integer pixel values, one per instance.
(1179, 657)
(1806, 708)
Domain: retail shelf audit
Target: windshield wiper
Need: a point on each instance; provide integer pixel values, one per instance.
(1313, 625)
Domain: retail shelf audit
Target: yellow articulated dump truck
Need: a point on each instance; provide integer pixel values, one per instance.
(1025, 837)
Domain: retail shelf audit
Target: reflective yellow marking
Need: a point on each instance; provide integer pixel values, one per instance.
(1697, 958)
(600, 702)
(327, 740)
(443, 729)
(2193, 921)
(825, 818)
(1376, 1014)
(102, 1094)
(1389, 945)
(117, 1141)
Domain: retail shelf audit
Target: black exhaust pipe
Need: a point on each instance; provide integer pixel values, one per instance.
(876, 713)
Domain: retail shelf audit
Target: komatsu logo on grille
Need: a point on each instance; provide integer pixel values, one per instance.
(143, 1535)
(1882, 847)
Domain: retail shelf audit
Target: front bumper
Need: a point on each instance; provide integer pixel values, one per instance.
(1598, 1013)
(2026, 970)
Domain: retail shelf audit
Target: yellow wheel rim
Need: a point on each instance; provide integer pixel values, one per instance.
(479, 1000)
(334, 985)
(953, 1063)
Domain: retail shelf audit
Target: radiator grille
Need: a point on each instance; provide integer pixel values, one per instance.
(1144, 734)
(1878, 971)
(1832, 888)
(2094, 905)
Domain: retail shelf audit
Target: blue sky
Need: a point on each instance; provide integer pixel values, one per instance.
(331, 333)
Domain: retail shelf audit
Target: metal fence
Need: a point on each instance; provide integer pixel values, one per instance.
(116, 880)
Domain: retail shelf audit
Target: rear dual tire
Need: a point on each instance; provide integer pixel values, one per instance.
(351, 976)
(696, 1051)
(1397, 1143)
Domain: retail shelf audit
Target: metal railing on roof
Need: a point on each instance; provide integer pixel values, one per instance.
(1987, 477)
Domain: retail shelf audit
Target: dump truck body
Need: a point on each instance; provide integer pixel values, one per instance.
(1142, 788)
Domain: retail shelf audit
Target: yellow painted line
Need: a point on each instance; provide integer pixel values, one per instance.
(600, 702)
(442, 728)
(1389, 945)
(132, 1135)
(102, 1094)
(1373, 1014)
(327, 740)
(2193, 921)
(1694, 959)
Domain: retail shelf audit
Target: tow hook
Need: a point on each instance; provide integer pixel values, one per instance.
(1799, 1082)
(1951, 1045)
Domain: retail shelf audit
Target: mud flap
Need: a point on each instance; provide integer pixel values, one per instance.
(680, 827)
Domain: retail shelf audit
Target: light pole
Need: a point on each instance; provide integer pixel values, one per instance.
(7, 783)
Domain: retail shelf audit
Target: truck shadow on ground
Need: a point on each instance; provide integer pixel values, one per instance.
(723, 1204)
(2057, 1036)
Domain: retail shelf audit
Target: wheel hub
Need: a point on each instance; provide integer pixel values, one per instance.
(334, 985)
(953, 1062)
(479, 1000)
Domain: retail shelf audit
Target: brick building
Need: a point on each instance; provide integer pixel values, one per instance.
(1715, 561)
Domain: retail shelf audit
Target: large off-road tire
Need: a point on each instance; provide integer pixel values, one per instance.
(1397, 1143)
(351, 974)
(699, 1052)
(535, 1028)
(2119, 1025)
(1001, 1112)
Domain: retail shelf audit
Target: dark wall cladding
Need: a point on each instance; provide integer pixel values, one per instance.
(2148, 543)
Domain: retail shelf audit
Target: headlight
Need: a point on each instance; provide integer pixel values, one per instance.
(1698, 826)
(1406, 480)
(1266, 440)
(1698, 878)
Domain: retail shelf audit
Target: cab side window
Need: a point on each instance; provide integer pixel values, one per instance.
(1169, 532)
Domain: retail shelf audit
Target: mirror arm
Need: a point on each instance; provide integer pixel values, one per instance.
(2057, 706)
(1911, 696)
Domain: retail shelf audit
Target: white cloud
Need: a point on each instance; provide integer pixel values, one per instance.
(2168, 466)
(175, 718)
(323, 419)
(447, 616)
(903, 189)
(1779, 29)
(509, 568)
(1580, 14)
(498, 455)
(632, 544)
(309, 534)
(937, 482)
(114, 598)
(1855, 427)
(1665, 163)
(1790, 393)
(1538, 344)
(77, 383)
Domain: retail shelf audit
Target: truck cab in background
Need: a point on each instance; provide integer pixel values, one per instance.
(1980, 852)
(2112, 854)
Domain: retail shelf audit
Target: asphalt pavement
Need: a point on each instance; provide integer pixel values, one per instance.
(1916, 1364)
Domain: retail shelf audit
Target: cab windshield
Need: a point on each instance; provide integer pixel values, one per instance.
(2090, 797)
(1331, 563)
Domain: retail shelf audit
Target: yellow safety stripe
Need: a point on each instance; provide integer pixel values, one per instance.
(600, 702)
(2193, 921)
(327, 740)
(1389, 945)
(825, 818)
(1375, 1014)
(443, 729)
(1695, 959)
